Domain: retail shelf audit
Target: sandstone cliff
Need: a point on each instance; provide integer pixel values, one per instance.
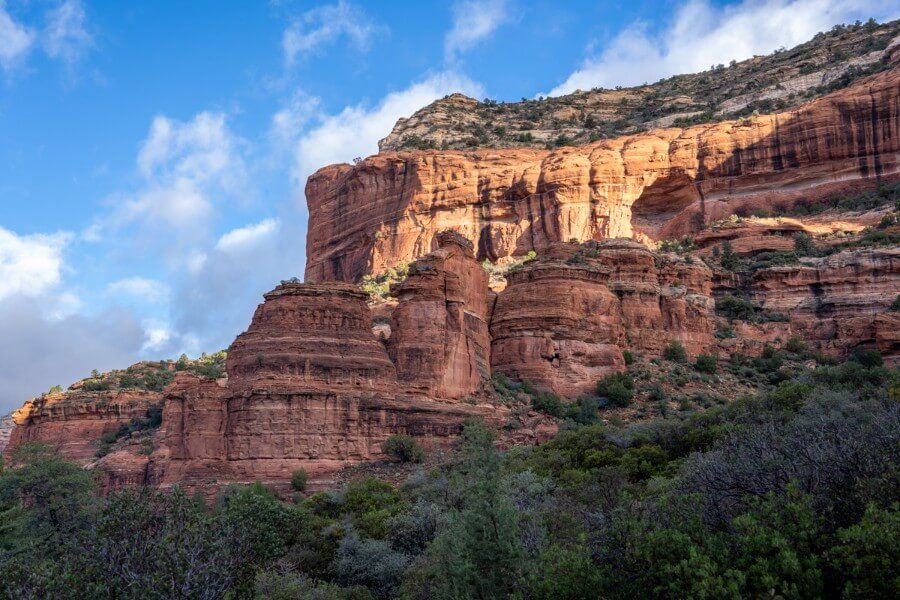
(73, 423)
(659, 185)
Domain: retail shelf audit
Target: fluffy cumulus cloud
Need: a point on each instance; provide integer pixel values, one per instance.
(701, 34)
(30, 264)
(185, 167)
(214, 302)
(66, 37)
(46, 340)
(326, 24)
(355, 130)
(242, 238)
(16, 40)
(473, 21)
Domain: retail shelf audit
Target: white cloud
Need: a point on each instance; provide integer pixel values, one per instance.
(66, 37)
(30, 264)
(701, 35)
(289, 122)
(141, 288)
(473, 21)
(16, 39)
(201, 150)
(326, 24)
(184, 165)
(242, 238)
(158, 338)
(355, 131)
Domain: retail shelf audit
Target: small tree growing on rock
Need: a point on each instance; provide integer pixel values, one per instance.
(403, 448)
(299, 479)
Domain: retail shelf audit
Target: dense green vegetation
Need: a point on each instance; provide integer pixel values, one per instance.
(790, 493)
(152, 376)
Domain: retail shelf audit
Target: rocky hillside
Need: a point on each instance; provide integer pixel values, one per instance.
(763, 84)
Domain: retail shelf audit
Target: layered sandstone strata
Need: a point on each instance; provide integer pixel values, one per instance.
(439, 329)
(73, 422)
(838, 302)
(311, 387)
(662, 184)
(563, 319)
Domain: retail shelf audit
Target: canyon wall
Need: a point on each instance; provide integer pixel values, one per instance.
(72, 423)
(662, 184)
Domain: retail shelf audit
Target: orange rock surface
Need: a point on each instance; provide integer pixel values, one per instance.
(657, 185)
(837, 302)
(72, 423)
(562, 321)
(439, 329)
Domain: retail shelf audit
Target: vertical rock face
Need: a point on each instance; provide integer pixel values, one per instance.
(72, 423)
(840, 301)
(656, 185)
(308, 336)
(440, 341)
(309, 387)
(562, 320)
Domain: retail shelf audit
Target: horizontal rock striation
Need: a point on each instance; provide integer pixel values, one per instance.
(662, 184)
(838, 302)
(563, 320)
(72, 423)
(310, 386)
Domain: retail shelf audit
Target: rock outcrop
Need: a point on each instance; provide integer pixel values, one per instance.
(72, 423)
(838, 302)
(662, 184)
(563, 319)
(777, 82)
(310, 386)
(6, 428)
(439, 329)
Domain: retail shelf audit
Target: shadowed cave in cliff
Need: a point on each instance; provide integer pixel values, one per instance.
(655, 211)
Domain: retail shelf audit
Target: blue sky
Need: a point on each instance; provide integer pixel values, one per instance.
(153, 155)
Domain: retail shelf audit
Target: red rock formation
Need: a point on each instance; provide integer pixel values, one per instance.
(562, 321)
(837, 302)
(306, 336)
(657, 185)
(309, 387)
(439, 329)
(72, 423)
(6, 428)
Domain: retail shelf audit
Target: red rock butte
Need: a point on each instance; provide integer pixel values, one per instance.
(310, 386)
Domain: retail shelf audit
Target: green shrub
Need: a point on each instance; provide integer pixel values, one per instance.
(675, 352)
(547, 403)
(795, 345)
(734, 307)
(403, 448)
(628, 355)
(803, 244)
(895, 305)
(706, 363)
(728, 260)
(299, 479)
(617, 388)
(867, 358)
